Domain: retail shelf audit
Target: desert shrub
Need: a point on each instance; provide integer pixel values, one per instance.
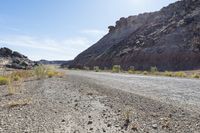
(96, 68)
(16, 75)
(4, 80)
(197, 76)
(154, 69)
(11, 87)
(16, 78)
(145, 72)
(180, 74)
(51, 74)
(116, 68)
(131, 70)
(86, 68)
(41, 71)
(169, 74)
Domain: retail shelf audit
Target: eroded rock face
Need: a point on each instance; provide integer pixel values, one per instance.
(168, 39)
(13, 59)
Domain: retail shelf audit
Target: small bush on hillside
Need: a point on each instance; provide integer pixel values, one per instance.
(197, 76)
(86, 68)
(116, 68)
(3, 80)
(180, 74)
(96, 68)
(154, 69)
(145, 72)
(169, 74)
(131, 70)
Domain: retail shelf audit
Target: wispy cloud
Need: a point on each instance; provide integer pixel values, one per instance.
(69, 47)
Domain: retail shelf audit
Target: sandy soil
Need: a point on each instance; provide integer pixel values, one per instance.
(89, 102)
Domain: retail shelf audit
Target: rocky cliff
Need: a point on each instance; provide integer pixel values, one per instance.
(168, 39)
(13, 59)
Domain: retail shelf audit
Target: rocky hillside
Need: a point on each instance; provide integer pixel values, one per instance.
(168, 39)
(13, 59)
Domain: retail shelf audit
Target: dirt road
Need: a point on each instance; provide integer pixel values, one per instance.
(89, 102)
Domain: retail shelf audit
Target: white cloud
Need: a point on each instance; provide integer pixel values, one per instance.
(69, 47)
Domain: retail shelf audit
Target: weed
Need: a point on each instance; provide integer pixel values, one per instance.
(154, 69)
(86, 68)
(197, 76)
(116, 69)
(127, 116)
(131, 70)
(169, 74)
(41, 72)
(4, 80)
(180, 74)
(145, 72)
(96, 68)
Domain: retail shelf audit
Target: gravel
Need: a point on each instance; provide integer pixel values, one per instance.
(89, 102)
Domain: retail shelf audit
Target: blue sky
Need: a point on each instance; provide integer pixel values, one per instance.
(61, 29)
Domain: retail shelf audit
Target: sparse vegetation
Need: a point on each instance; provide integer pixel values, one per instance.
(41, 71)
(145, 72)
(154, 69)
(180, 74)
(131, 70)
(4, 80)
(86, 68)
(169, 74)
(197, 76)
(116, 68)
(96, 68)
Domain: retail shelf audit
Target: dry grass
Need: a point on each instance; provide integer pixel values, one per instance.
(116, 69)
(21, 102)
(42, 72)
(96, 68)
(180, 74)
(154, 71)
(195, 75)
(4, 80)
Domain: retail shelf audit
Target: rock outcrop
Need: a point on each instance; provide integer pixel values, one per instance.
(13, 59)
(168, 39)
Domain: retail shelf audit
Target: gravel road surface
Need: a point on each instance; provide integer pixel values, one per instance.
(179, 91)
(90, 102)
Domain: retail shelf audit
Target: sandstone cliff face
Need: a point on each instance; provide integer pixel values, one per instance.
(168, 39)
(13, 59)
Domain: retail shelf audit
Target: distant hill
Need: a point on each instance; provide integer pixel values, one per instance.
(13, 59)
(168, 39)
(53, 62)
